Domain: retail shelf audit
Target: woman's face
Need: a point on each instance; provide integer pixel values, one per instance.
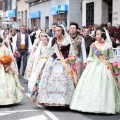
(6, 32)
(47, 31)
(58, 32)
(98, 35)
(41, 35)
(44, 41)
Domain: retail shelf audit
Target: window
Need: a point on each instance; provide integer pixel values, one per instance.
(90, 14)
(110, 3)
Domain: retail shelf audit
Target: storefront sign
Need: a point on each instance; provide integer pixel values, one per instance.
(62, 8)
(11, 13)
(36, 14)
(53, 11)
(59, 9)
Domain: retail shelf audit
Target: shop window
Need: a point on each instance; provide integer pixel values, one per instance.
(90, 14)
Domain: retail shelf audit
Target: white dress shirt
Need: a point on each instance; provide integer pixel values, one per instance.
(83, 50)
(22, 42)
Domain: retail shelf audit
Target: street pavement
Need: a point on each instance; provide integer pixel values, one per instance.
(27, 110)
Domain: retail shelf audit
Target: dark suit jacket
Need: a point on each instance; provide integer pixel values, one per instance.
(88, 41)
(50, 34)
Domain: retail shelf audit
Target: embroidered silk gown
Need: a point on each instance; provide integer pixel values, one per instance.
(10, 87)
(31, 59)
(56, 85)
(44, 53)
(96, 91)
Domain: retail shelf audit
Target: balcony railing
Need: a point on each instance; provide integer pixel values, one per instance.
(32, 1)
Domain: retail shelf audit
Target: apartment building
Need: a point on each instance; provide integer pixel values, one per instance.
(42, 13)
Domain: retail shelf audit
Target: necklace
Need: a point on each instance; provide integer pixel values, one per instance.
(59, 43)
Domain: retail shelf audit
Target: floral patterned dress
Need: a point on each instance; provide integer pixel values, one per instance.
(10, 88)
(97, 91)
(45, 53)
(56, 85)
(31, 59)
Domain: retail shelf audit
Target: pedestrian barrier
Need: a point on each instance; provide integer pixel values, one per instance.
(117, 59)
(116, 54)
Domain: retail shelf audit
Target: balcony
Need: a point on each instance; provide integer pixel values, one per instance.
(30, 1)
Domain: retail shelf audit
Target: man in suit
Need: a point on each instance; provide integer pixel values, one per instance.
(88, 40)
(52, 32)
(22, 44)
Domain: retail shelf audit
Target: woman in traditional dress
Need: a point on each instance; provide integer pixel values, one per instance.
(42, 54)
(10, 87)
(56, 84)
(97, 90)
(6, 41)
(6, 38)
(31, 60)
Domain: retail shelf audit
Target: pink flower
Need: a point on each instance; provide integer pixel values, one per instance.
(75, 57)
(115, 64)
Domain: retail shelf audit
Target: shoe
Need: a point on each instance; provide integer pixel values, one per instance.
(23, 73)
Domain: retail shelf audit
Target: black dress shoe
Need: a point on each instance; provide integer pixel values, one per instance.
(23, 73)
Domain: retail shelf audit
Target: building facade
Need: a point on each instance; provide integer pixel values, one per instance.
(100, 11)
(22, 13)
(116, 12)
(43, 13)
(9, 13)
(0, 13)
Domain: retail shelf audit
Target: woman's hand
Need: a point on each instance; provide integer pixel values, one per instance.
(6, 68)
(87, 63)
(66, 61)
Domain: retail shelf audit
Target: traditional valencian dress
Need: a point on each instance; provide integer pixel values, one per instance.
(97, 90)
(31, 59)
(42, 55)
(10, 88)
(7, 44)
(56, 85)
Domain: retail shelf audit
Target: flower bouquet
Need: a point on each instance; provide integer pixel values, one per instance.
(71, 59)
(6, 60)
(116, 66)
(16, 54)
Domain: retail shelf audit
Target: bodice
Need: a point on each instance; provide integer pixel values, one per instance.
(105, 50)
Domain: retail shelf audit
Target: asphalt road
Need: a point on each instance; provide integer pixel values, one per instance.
(27, 110)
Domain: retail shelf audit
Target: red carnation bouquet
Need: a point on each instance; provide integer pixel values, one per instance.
(16, 54)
